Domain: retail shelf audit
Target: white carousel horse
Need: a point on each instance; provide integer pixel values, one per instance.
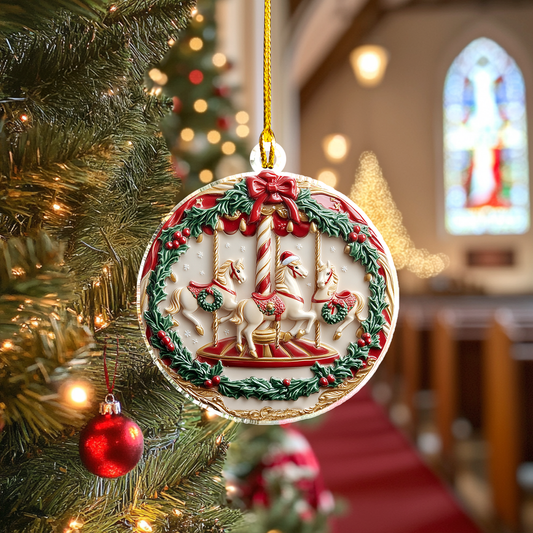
(326, 294)
(186, 300)
(284, 303)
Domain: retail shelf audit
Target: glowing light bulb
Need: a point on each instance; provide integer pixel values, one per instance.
(143, 525)
(209, 414)
(228, 148)
(336, 147)
(242, 130)
(206, 176)
(23, 118)
(196, 76)
(194, 11)
(171, 42)
(369, 63)
(242, 117)
(7, 345)
(99, 320)
(219, 60)
(213, 136)
(56, 207)
(200, 106)
(199, 18)
(159, 77)
(196, 44)
(328, 176)
(78, 394)
(177, 512)
(187, 134)
(75, 524)
(112, 8)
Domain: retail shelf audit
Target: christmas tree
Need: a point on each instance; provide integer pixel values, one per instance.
(85, 179)
(204, 132)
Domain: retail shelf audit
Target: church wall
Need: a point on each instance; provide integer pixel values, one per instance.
(401, 121)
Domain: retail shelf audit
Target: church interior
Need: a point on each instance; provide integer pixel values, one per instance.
(420, 111)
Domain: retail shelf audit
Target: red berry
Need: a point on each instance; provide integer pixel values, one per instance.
(286, 382)
(161, 334)
(182, 240)
(177, 235)
(166, 361)
(169, 245)
(175, 244)
(361, 237)
(357, 229)
(353, 236)
(361, 343)
(208, 384)
(366, 335)
(170, 346)
(330, 378)
(323, 382)
(215, 380)
(186, 232)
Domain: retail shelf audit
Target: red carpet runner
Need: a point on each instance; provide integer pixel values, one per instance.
(366, 460)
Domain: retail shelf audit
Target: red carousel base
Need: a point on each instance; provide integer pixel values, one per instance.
(295, 352)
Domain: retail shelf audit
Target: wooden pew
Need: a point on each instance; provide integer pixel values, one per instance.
(456, 340)
(508, 348)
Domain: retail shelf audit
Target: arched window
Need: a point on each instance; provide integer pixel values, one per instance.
(486, 175)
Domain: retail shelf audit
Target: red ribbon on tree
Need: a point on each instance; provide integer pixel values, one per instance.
(271, 188)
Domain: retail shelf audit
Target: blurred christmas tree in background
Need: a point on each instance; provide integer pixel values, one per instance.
(205, 133)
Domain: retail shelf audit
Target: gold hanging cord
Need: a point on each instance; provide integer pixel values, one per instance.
(267, 135)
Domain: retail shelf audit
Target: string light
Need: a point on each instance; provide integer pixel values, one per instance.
(371, 192)
(23, 118)
(78, 394)
(213, 136)
(187, 134)
(194, 11)
(143, 525)
(228, 148)
(7, 345)
(196, 77)
(75, 524)
(112, 8)
(171, 42)
(18, 271)
(177, 512)
(242, 130)
(196, 44)
(159, 77)
(242, 117)
(57, 178)
(56, 207)
(199, 18)
(210, 414)
(99, 320)
(336, 147)
(200, 106)
(206, 176)
(219, 60)
(328, 176)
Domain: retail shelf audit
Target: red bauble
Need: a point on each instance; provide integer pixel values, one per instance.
(111, 445)
(221, 90)
(176, 105)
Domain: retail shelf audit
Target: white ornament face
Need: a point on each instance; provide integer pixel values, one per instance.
(268, 297)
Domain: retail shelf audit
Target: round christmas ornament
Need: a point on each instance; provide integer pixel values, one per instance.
(111, 444)
(268, 296)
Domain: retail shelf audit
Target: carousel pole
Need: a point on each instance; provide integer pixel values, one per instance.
(318, 261)
(216, 260)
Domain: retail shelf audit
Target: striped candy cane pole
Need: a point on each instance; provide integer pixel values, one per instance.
(262, 267)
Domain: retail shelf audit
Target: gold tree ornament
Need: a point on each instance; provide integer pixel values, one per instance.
(372, 193)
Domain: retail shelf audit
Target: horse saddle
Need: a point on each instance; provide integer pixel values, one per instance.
(344, 298)
(197, 288)
(269, 304)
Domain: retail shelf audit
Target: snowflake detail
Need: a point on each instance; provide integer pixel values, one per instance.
(344, 269)
(309, 284)
(200, 255)
(333, 249)
(187, 333)
(186, 266)
(243, 248)
(299, 246)
(195, 341)
(228, 245)
(202, 272)
(226, 332)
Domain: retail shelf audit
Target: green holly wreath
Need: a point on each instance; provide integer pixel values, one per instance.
(328, 222)
(341, 312)
(213, 306)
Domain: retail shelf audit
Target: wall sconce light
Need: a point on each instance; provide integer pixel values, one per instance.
(336, 147)
(369, 63)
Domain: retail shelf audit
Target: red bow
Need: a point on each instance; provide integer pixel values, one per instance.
(270, 188)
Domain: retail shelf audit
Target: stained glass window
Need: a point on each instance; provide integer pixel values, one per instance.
(486, 175)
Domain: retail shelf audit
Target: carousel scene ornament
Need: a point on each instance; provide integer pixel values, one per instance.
(308, 309)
